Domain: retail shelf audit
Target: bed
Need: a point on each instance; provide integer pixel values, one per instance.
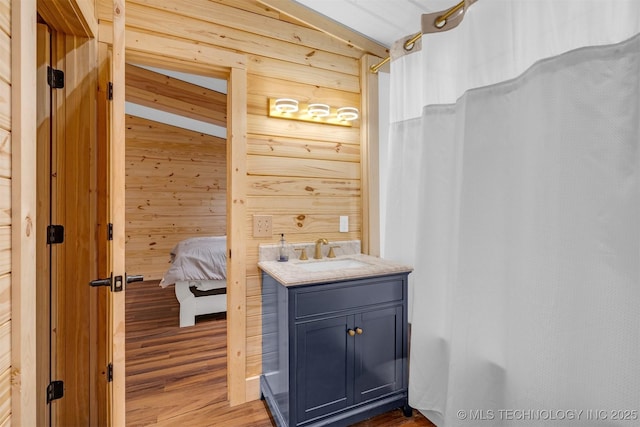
(198, 273)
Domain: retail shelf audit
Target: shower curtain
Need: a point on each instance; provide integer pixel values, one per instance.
(514, 191)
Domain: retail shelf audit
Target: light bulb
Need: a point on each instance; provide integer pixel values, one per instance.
(318, 110)
(347, 113)
(286, 105)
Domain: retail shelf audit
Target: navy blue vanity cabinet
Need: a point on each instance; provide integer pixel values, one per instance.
(334, 353)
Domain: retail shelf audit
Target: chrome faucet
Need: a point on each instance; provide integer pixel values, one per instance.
(319, 243)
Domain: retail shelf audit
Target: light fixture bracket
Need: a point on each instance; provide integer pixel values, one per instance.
(303, 114)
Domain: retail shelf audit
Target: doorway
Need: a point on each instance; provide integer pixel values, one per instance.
(178, 55)
(175, 182)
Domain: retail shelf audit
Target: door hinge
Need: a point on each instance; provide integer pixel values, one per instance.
(110, 231)
(110, 91)
(110, 372)
(55, 391)
(55, 234)
(55, 78)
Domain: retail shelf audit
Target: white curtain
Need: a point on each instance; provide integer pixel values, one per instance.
(514, 191)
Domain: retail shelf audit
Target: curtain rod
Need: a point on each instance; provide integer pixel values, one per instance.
(439, 23)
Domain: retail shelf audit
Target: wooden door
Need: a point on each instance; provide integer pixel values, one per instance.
(64, 341)
(103, 247)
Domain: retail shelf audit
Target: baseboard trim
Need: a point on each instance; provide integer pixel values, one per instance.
(252, 388)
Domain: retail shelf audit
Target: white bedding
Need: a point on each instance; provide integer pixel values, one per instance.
(198, 258)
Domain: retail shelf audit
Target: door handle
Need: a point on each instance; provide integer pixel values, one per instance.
(101, 282)
(115, 283)
(134, 278)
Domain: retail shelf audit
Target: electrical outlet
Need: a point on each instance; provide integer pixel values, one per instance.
(262, 226)
(344, 224)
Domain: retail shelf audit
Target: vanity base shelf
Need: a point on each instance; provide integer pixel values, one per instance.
(342, 419)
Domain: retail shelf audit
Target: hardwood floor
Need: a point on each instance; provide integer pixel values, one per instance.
(177, 376)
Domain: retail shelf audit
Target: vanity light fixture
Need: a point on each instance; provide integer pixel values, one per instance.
(286, 105)
(347, 113)
(314, 112)
(319, 110)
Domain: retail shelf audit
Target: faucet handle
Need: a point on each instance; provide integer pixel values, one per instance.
(303, 254)
(331, 253)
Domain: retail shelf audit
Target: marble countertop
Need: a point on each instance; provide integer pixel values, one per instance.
(292, 272)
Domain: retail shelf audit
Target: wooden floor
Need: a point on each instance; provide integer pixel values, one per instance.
(177, 376)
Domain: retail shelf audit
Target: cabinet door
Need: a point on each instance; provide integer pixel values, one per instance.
(379, 353)
(324, 371)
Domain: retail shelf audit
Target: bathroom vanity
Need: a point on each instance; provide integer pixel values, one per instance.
(334, 336)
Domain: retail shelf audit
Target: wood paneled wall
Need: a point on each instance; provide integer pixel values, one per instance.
(5, 213)
(303, 174)
(176, 189)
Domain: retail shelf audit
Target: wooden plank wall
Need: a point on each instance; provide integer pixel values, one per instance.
(176, 179)
(5, 213)
(172, 95)
(176, 189)
(303, 174)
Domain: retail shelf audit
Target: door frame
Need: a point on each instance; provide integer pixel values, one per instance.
(23, 212)
(178, 55)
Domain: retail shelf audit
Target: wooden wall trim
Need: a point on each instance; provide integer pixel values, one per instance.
(236, 227)
(253, 387)
(73, 17)
(370, 159)
(117, 390)
(23, 207)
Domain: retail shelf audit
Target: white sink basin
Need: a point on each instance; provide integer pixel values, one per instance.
(331, 265)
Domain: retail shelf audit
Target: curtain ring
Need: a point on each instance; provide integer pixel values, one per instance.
(411, 43)
(441, 20)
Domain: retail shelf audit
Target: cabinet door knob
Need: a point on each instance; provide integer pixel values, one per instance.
(359, 331)
(351, 332)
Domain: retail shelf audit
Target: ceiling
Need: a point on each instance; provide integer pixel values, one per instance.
(383, 21)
